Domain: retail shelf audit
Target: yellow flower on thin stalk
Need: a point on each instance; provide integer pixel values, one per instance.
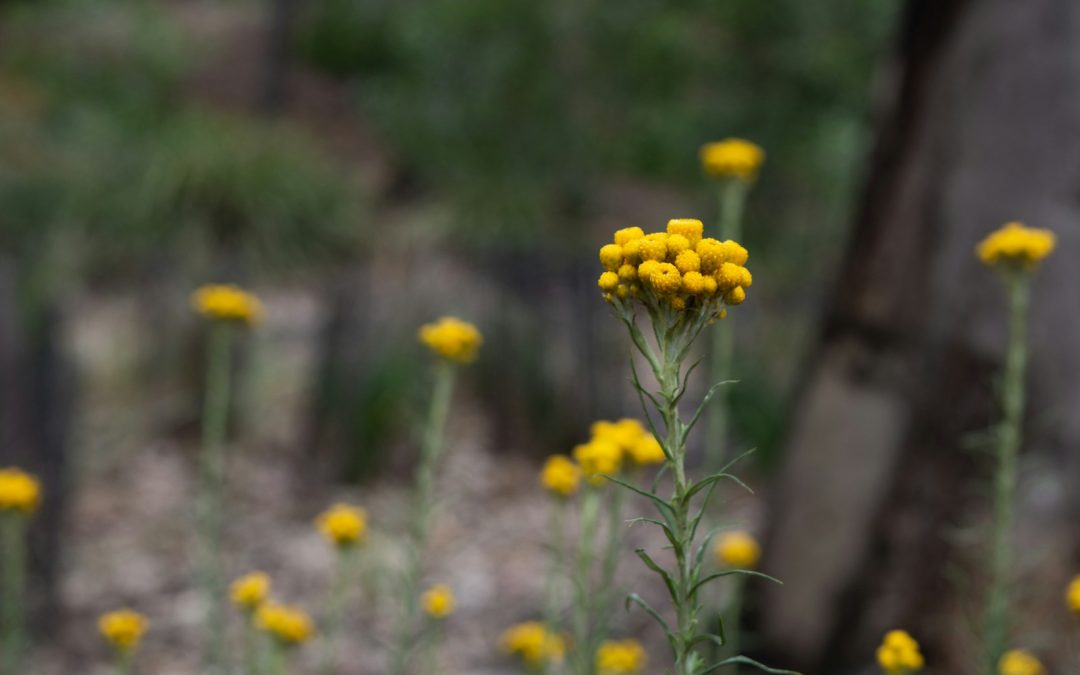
(452, 339)
(227, 302)
(597, 458)
(123, 629)
(1072, 595)
(1016, 246)
(250, 591)
(1020, 662)
(438, 601)
(560, 476)
(343, 525)
(20, 495)
(899, 654)
(20, 492)
(534, 644)
(288, 626)
(732, 158)
(615, 657)
(737, 550)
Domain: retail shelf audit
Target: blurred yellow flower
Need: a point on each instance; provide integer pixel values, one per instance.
(1019, 662)
(19, 491)
(343, 525)
(634, 442)
(899, 653)
(452, 339)
(597, 458)
(250, 591)
(438, 601)
(534, 644)
(1016, 246)
(620, 656)
(227, 302)
(561, 475)
(1072, 595)
(123, 629)
(738, 550)
(289, 626)
(732, 158)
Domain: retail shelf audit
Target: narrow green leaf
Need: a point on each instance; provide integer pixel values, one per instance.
(737, 660)
(636, 599)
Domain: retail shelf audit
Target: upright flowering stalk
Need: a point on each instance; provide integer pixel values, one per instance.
(248, 594)
(288, 629)
(345, 528)
(561, 477)
(733, 165)
(620, 657)
(454, 342)
(736, 551)
(899, 654)
(123, 629)
(1014, 251)
(438, 604)
(227, 308)
(20, 494)
(682, 282)
(538, 647)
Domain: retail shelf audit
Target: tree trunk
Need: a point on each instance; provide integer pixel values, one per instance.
(979, 112)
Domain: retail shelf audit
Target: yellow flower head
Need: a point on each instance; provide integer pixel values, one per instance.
(899, 653)
(738, 550)
(560, 475)
(226, 302)
(1020, 662)
(452, 339)
(343, 525)
(732, 158)
(597, 458)
(289, 626)
(647, 450)
(438, 601)
(123, 629)
(614, 657)
(691, 228)
(20, 492)
(1016, 246)
(1072, 595)
(250, 591)
(534, 644)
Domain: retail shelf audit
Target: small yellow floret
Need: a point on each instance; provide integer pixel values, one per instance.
(226, 302)
(438, 601)
(712, 255)
(627, 273)
(688, 261)
(732, 158)
(1072, 595)
(250, 590)
(676, 244)
(738, 550)
(645, 271)
(691, 228)
(1014, 245)
(343, 525)
(899, 653)
(20, 492)
(611, 256)
(709, 285)
(654, 247)
(597, 458)
(729, 276)
(734, 252)
(666, 279)
(123, 629)
(452, 339)
(1020, 662)
(534, 644)
(608, 281)
(693, 283)
(628, 234)
(735, 296)
(289, 626)
(561, 475)
(615, 657)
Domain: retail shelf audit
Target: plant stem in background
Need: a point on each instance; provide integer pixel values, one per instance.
(14, 618)
(555, 571)
(733, 625)
(430, 453)
(584, 638)
(1008, 448)
(607, 590)
(336, 606)
(731, 199)
(431, 653)
(125, 662)
(210, 501)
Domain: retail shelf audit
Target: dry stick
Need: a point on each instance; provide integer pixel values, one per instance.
(211, 492)
(997, 620)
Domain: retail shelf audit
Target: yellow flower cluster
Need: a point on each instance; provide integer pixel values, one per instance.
(1072, 595)
(534, 644)
(226, 302)
(343, 525)
(452, 339)
(620, 656)
(438, 601)
(561, 475)
(250, 591)
(1019, 662)
(738, 550)
(614, 443)
(899, 653)
(732, 158)
(20, 492)
(123, 629)
(1014, 245)
(678, 269)
(289, 626)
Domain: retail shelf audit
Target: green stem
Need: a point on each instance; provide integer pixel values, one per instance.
(556, 561)
(733, 625)
(279, 659)
(211, 492)
(610, 566)
(431, 648)
(125, 661)
(430, 453)
(583, 602)
(14, 618)
(253, 659)
(997, 612)
(336, 607)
